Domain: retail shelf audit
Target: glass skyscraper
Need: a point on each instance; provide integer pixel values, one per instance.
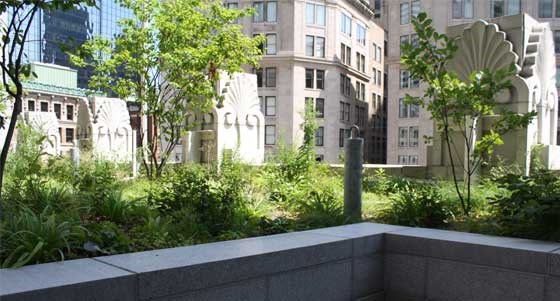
(74, 27)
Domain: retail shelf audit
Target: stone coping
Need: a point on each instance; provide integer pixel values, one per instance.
(260, 261)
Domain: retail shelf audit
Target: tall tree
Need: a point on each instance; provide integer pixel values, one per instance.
(168, 59)
(14, 33)
(457, 106)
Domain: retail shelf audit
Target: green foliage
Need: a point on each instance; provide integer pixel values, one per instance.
(456, 106)
(186, 41)
(382, 183)
(419, 205)
(530, 206)
(213, 197)
(29, 237)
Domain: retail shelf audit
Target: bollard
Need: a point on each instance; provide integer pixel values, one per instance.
(353, 153)
(75, 152)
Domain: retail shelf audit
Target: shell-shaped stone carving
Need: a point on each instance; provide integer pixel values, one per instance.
(241, 97)
(482, 46)
(112, 115)
(545, 67)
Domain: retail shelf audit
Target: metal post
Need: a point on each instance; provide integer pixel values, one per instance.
(75, 152)
(354, 148)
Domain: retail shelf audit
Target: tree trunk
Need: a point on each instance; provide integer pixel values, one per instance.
(6, 147)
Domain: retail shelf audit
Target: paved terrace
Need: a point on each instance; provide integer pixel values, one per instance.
(355, 262)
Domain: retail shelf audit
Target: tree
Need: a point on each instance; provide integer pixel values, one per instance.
(15, 68)
(457, 106)
(168, 59)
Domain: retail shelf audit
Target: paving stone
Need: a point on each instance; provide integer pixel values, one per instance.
(251, 290)
(448, 280)
(367, 276)
(375, 297)
(512, 253)
(325, 282)
(368, 237)
(81, 279)
(554, 263)
(405, 277)
(177, 270)
(552, 289)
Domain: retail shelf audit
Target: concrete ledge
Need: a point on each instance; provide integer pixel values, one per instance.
(68, 280)
(354, 262)
(512, 253)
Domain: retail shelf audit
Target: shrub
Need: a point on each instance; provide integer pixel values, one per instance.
(382, 183)
(214, 197)
(28, 237)
(419, 205)
(530, 207)
(321, 209)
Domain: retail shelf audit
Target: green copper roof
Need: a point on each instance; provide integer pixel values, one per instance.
(55, 75)
(37, 86)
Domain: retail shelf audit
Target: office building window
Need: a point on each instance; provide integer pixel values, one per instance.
(270, 77)
(379, 56)
(265, 12)
(346, 24)
(513, 7)
(414, 82)
(259, 73)
(270, 106)
(374, 54)
(69, 112)
(414, 110)
(320, 107)
(319, 135)
(404, 80)
(403, 160)
(341, 116)
(545, 8)
(320, 47)
(414, 135)
(261, 103)
(405, 13)
(360, 34)
(498, 8)
(415, 8)
(557, 40)
(462, 9)
(57, 110)
(403, 109)
(403, 136)
(341, 137)
(315, 14)
(413, 160)
(346, 54)
(320, 81)
(558, 16)
(31, 105)
(44, 106)
(269, 134)
(309, 78)
(345, 84)
(347, 111)
(69, 135)
(309, 45)
(360, 91)
(379, 78)
(233, 5)
(271, 43)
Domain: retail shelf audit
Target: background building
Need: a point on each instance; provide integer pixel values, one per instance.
(72, 27)
(325, 53)
(408, 124)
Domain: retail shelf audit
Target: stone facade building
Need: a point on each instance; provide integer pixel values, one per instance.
(325, 52)
(407, 125)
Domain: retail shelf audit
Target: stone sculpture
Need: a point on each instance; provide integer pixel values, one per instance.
(47, 124)
(523, 41)
(236, 127)
(104, 126)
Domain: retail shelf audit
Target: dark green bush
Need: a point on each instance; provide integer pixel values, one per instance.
(419, 205)
(530, 207)
(213, 197)
(382, 183)
(29, 237)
